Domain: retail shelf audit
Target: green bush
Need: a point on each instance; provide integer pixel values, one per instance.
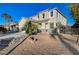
(31, 28)
(23, 28)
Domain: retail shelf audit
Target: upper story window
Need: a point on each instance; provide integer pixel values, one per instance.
(43, 15)
(56, 14)
(38, 16)
(51, 13)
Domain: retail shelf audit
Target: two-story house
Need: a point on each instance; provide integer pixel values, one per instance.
(50, 20)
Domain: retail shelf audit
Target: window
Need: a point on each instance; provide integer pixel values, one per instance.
(38, 16)
(39, 23)
(43, 15)
(51, 13)
(51, 25)
(46, 30)
(56, 24)
(56, 14)
(46, 23)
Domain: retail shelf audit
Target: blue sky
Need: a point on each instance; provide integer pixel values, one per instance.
(18, 10)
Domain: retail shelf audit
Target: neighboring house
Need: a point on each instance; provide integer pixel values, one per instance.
(22, 22)
(49, 20)
(14, 27)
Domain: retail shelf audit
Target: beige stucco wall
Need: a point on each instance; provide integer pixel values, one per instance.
(59, 18)
(41, 15)
(56, 18)
(34, 17)
(22, 22)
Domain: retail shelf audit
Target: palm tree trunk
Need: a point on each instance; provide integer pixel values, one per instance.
(5, 25)
(9, 25)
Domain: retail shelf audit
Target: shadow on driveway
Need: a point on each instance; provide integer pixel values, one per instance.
(52, 36)
(73, 41)
(67, 45)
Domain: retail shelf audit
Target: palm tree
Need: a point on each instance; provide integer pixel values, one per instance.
(5, 15)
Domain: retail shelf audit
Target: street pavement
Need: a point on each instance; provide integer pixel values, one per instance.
(11, 35)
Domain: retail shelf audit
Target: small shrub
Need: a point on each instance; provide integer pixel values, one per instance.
(23, 28)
